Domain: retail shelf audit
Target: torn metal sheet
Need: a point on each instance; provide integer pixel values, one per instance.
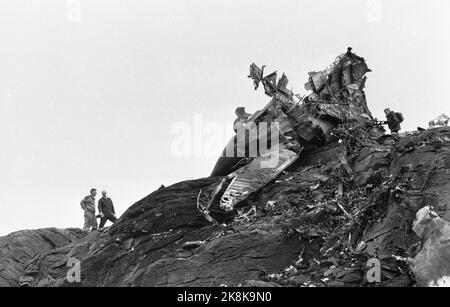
(343, 113)
(255, 176)
(270, 83)
(256, 74)
(282, 86)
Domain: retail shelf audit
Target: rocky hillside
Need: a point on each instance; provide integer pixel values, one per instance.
(19, 248)
(318, 224)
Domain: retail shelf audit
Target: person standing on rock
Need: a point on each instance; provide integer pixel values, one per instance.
(88, 205)
(241, 120)
(106, 210)
(393, 120)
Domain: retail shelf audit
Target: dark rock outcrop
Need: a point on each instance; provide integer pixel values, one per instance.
(18, 248)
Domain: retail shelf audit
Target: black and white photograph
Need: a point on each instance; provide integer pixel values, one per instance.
(224, 150)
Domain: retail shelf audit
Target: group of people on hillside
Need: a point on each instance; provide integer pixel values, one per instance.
(105, 209)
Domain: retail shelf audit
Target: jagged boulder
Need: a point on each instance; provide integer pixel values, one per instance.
(18, 248)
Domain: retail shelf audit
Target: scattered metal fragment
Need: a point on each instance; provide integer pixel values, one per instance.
(192, 244)
(252, 177)
(270, 205)
(440, 121)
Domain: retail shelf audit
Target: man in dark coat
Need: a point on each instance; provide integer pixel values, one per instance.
(393, 120)
(106, 210)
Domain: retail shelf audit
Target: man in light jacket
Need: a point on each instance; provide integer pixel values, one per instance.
(88, 205)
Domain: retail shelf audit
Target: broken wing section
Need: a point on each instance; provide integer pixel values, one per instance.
(256, 175)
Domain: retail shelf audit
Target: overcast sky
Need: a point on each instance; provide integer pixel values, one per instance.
(91, 90)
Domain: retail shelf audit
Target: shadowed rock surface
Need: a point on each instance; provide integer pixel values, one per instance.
(18, 248)
(317, 224)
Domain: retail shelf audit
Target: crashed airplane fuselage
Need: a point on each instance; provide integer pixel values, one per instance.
(288, 124)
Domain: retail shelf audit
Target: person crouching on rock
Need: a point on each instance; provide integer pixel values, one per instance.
(88, 205)
(106, 210)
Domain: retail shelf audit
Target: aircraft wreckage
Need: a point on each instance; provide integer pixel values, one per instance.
(301, 123)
